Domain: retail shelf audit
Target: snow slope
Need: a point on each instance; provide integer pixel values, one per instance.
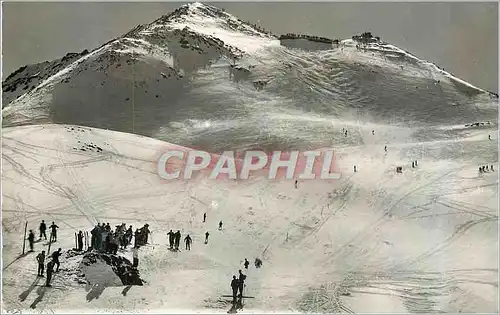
(375, 241)
(200, 77)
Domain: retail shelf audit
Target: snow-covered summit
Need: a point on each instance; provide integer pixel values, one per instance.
(244, 86)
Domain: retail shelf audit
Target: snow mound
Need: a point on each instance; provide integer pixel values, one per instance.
(109, 270)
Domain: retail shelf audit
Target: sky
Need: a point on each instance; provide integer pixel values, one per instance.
(460, 37)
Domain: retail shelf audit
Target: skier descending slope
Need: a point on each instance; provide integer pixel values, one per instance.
(41, 263)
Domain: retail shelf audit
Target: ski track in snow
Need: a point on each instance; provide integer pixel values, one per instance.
(359, 235)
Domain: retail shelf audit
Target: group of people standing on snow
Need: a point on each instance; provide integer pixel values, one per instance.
(53, 262)
(104, 239)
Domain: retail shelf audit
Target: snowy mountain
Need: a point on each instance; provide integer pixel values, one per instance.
(201, 77)
(424, 240)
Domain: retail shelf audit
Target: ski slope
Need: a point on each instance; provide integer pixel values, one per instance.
(375, 241)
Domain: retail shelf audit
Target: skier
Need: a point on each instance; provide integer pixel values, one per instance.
(177, 239)
(246, 263)
(354, 168)
(80, 241)
(385, 148)
(55, 259)
(416, 164)
(486, 168)
(241, 282)
(480, 171)
(206, 237)
(204, 217)
(135, 256)
(258, 263)
(188, 241)
(53, 233)
(413, 164)
(220, 226)
(93, 237)
(234, 287)
(171, 239)
(43, 228)
(31, 239)
(41, 263)
(492, 168)
(145, 233)
(296, 183)
(136, 237)
(373, 132)
(50, 270)
(489, 137)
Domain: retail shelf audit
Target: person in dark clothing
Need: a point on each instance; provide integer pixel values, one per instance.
(188, 241)
(50, 269)
(41, 263)
(296, 183)
(220, 225)
(93, 237)
(492, 168)
(204, 217)
(258, 263)
(246, 263)
(145, 234)
(53, 233)
(177, 239)
(31, 239)
(241, 282)
(43, 228)
(206, 237)
(416, 163)
(234, 287)
(80, 240)
(137, 237)
(480, 171)
(171, 239)
(55, 259)
(107, 243)
(413, 164)
(385, 148)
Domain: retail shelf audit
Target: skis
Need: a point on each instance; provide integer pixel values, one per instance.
(244, 297)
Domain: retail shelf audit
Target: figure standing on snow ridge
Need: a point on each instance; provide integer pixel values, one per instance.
(80, 241)
(40, 258)
(373, 132)
(385, 148)
(206, 237)
(234, 287)
(480, 170)
(246, 263)
(220, 225)
(55, 258)
(296, 183)
(412, 163)
(241, 282)
(50, 270)
(416, 164)
(43, 228)
(177, 239)
(171, 239)
(204, 217)
(31, 239)
(354, 168)
(489, 137)
(53, 233)
(188, 241)
(492, 168)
